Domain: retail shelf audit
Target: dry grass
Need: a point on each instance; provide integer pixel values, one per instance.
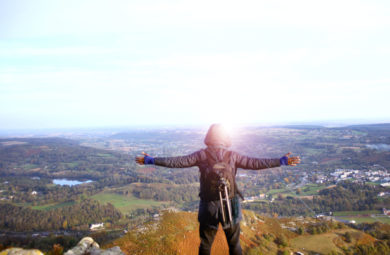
(178, 233)
(331, 241)
(175, 233)
(322, 244)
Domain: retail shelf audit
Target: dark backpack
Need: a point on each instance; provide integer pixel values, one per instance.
(218, 174)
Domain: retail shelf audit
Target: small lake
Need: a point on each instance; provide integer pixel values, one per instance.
(69, 182)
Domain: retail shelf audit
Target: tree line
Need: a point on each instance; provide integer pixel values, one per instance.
(344, 197)
(75, 217)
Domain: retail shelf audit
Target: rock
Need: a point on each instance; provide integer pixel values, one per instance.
(83, 246)
(88, 246)
(112, 251)
(20, 251)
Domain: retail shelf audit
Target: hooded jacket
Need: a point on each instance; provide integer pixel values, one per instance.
(218, 141)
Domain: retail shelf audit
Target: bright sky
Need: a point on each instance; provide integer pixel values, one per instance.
(138, 63)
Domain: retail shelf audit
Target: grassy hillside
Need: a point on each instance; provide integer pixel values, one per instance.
(177, 233)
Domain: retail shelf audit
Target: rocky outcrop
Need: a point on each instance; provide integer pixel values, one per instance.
(87, 246)
(20, 251)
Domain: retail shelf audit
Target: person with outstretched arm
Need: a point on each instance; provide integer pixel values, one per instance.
(219, 195)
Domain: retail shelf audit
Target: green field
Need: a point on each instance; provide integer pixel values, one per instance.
(71, 164)
(327, 242)
(105, 155)
(125, 204)
(356, 213)
(48, 207)
(311, 189)
(30, 166)
(314, 244)
(373, 183)
(276, 191)
(362, 216)
(308, 190)
(365, 219)
(312, 152)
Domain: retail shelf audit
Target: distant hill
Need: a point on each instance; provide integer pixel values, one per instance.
(371, 127)
(377, 125)
(161, 135)
(376, 133)
(302, 126)
(359, 127)
(177, 233)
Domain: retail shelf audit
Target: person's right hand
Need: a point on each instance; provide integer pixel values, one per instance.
(141, 159)
(145, 159)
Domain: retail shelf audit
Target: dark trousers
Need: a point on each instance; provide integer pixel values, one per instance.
(207, 236)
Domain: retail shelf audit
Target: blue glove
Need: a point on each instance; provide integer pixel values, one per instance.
(284, 161)
(148, 160)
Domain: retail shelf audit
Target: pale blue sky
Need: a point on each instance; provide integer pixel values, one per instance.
(138, 63)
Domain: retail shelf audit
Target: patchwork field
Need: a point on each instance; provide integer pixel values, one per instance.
(48, 207)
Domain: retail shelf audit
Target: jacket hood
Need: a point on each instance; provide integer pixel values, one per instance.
(217, 136)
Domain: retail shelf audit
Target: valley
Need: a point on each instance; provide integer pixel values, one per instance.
(93, 178)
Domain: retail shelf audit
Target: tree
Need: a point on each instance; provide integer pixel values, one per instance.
(65, 224)
(56, 250)
(348, 237)
(281, 241)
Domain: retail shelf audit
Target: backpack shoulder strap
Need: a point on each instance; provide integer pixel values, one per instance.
(211, 156)
(203, 155)
(226, 157)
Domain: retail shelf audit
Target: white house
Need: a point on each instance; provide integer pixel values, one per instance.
(386, 212)
(96, 226)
